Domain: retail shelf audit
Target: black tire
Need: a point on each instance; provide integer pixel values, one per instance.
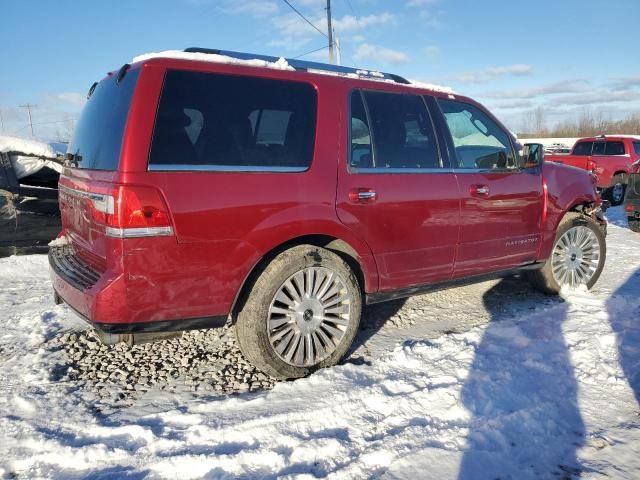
(634, 224)
(615, 193)
(251, 326)
(544, 279)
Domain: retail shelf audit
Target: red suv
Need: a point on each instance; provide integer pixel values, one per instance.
(609, 157)
(203, 186)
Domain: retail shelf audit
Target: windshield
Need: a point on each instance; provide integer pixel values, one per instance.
(98, 135)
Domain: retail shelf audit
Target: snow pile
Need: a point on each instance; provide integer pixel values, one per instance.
(61, 241)
(280, 64)
(32, 156)
(511, 384)
(28, 146)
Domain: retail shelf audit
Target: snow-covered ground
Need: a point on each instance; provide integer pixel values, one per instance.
(487, 381)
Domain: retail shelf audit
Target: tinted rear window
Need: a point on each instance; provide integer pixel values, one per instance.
(583, 148)
(614, 148)
(97, 138)
(636, 147)
(213, 121)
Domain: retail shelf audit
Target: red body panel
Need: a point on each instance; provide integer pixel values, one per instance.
(566, 187)
(420, 228)
(500, 229)
(606, 166)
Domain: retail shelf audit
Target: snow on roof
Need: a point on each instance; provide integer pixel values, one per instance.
(28, 146)
(431, 86)
(280, 64)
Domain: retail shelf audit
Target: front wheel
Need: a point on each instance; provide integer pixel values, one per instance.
(577, 258)
(302, 313)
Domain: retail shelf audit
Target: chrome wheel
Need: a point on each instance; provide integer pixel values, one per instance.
(308, 316)
(576, 257)
(617, 193)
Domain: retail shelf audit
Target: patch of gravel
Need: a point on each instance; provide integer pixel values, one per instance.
(199, 360)
(207, 361)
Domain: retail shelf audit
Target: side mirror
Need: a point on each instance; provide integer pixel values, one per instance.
(532, 155)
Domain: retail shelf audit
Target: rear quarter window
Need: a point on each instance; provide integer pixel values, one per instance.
(97, 139)
(209, 121)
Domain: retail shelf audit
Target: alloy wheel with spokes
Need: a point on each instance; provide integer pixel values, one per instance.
(308, 316)
(576, 256)
(302, 312)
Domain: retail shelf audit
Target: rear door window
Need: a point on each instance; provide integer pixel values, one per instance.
(400, 128)
(599, 148)
(583, 149)
(636, 147)
(614, 148)
(242, 123)
(479, 142)
(97, 138)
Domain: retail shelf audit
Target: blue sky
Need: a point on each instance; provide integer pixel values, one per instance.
(563, 55)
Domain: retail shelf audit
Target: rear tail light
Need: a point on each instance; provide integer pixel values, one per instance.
(132, 211)
(629, 208)
(591, 166)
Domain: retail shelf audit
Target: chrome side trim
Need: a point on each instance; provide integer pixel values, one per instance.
(223, 168)
(488, 170)
(383, 170)
(138, 232)
(102, 202)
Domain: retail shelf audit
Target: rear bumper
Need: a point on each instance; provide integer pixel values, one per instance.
(101, 299)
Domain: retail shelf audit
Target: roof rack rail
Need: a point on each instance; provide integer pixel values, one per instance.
(305, 65)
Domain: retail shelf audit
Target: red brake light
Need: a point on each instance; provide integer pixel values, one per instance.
(132, 211)
(591, 166)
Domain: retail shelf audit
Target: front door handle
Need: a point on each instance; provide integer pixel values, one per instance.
(479, 190)
(362, 195)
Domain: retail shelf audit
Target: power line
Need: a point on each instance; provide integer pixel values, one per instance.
(353, 12)
(28, 107)
(305, 18)
(310, 51)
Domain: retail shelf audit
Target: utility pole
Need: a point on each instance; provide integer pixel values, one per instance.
(330, 31)
(1, 120)
(28, 106)
(338, 51)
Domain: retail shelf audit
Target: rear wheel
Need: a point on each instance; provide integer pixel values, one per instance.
(577, 258)
(302, 313)
(615, 193)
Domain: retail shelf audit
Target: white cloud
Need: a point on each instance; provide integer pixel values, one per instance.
(254, 8)
(294, 33)
(382, 54)
(563, 86)
(73, 98)
(349, 23)
(625, 83)
(487, 74)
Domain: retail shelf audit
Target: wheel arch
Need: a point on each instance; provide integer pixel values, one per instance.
(365, 271)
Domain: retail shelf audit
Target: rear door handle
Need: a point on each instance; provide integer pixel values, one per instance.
(479, 190)
(362, 195)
